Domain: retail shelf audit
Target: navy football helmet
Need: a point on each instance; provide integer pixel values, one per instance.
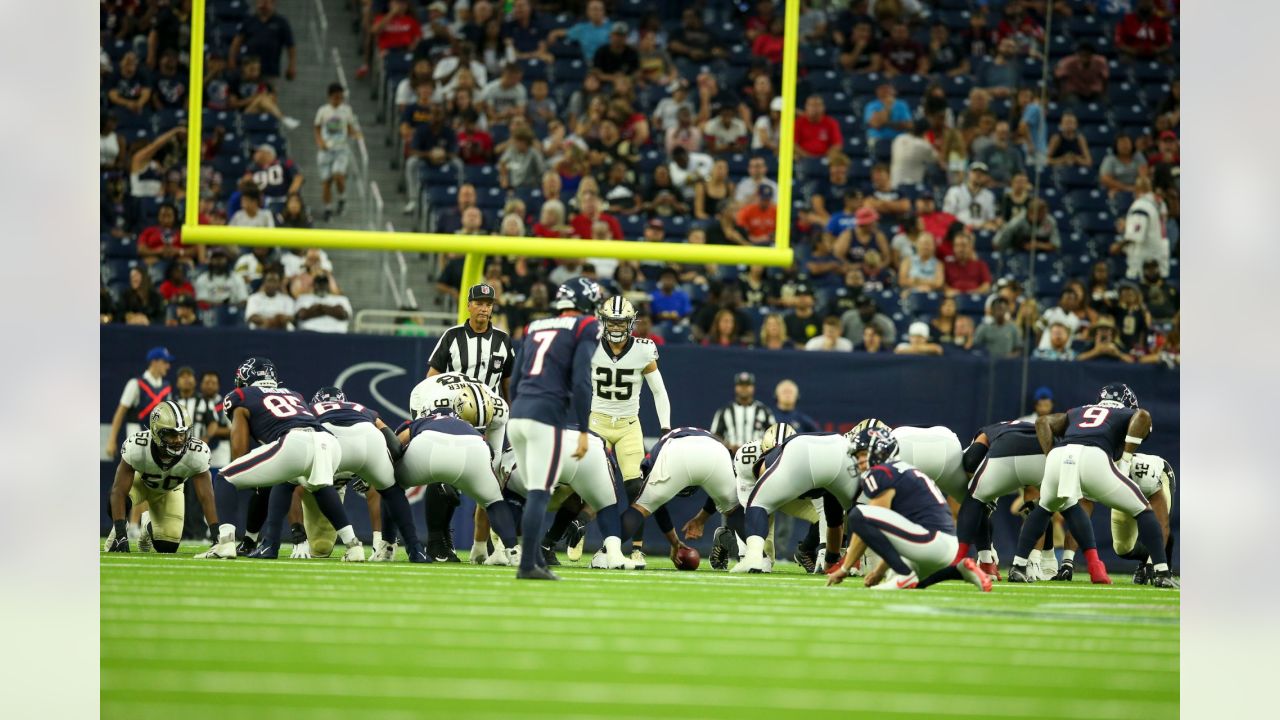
(328, 393)
(257, 371)
(579, 293)
(877, 442)
(1119, 393)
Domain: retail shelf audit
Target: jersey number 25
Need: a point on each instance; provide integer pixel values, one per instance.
(620, 378)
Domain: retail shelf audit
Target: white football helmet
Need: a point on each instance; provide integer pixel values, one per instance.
(618, 318)
(775, 435)
(864, 425)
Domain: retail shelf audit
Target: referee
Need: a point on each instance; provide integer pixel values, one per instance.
(746, 419)
(483, 353)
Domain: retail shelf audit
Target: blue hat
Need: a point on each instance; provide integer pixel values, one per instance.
(159, 353)
(1043, 393)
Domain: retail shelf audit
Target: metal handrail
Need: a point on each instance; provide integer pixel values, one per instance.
(390, 322)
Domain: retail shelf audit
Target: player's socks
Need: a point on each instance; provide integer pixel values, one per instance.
(252, 536)
(535, 508)
(257, 515)
(757, 522)
(1068, 556)
(969, 524)
(736, 521)
(985, 541)
(1152, 536)
(986, 556)
(876, 540)
(389, 534)
(631, 519)
(1080, 526)
(610, 525)
(330, 504)
(1032, 530)
(396, 503)
(503, 523)
(277, 510)
(809, 544)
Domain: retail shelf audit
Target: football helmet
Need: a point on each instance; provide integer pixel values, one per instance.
(879, 445)
(170, 428)
(618, 317)
(474, 405)
(865, 425)
(257, 371)
(579, 293)
(1120, 394)
(328, 393)
(775, 435)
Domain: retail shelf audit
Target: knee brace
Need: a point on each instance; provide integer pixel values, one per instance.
(633, 488)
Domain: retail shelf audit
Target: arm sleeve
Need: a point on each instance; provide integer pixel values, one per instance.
(661, 403)
(832, 509)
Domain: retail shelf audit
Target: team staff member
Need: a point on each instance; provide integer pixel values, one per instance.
(483, 353)
(746, 419)
(141, 395)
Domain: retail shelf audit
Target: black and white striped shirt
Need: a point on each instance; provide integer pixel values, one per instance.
(740, 424)
(203, 413)
(486, 357)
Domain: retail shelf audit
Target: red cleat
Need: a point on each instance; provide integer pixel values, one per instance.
(961, 553)
(969, 570)
(1098, 574)
(838, 563)
(992, 570)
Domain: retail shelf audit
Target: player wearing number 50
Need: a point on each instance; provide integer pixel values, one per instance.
(294, 448)
(551, 387)
(155, 465)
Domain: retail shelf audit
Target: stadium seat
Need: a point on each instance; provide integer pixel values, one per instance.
(863, 85)
(480, 175)
(676, 334)
(913, 85)
(276, 141)
(490, 198)
(1100, 222)
(397, 65)
(259, 123)
(1089, 113)
(817, 58)
(738, 163)
(217, 118)
(442, 196)
(569, 70)
(1130, 114)
(923, 303)
(1148, 73)
(1085, 26)
(117, 270)
(500, 133)
(123, 248)
(166, 120)
(956, 20)
(649, 160)
(958, 86)
(230, 10)
(677, 228)
(534, 69)
(228, 316)
(129, 122)
(971, 304)
(825, 81)
(1088, 201)
(566, 50)
(438, 174)
(1072, 178)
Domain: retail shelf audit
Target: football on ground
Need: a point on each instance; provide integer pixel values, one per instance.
(326, 639)
(687, 558)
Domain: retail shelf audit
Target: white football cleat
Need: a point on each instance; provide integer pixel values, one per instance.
(301, 551)
(383, 551)
(479, 553)
(512, 555)
(599, 561)
(748, 565)
(767, 565)
(354, 553)
(503, 557)
(604, 560)
(144, 533)
(111, 536)
(1048, 564)
(901, 582)
(637, 560)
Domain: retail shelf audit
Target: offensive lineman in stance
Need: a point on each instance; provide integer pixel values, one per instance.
(552, 386)
(619, 362)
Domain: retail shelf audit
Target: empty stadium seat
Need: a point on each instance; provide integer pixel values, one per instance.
(825, 81)
(228, 316)
(820, 58)
(259, 123)
(480, 175)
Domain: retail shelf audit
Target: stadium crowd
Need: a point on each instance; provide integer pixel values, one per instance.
(921, 138)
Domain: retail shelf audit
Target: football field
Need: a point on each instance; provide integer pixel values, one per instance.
(189, 639)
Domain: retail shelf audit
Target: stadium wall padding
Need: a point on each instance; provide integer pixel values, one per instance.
(836, 389)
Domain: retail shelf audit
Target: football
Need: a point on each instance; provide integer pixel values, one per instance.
(687, 559)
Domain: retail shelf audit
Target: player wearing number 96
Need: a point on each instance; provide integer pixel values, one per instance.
(155, 465)
(550, 388)
(293, 448)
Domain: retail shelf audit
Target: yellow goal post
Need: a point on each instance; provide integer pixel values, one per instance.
(476, 248)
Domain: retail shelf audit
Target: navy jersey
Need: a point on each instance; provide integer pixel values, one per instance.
(272, 411)
(647, 464)
(446, 423)
(1100, 427)
(915, 497)
(553, 370)
(274, 180)
(343, 413)
(1011, 439)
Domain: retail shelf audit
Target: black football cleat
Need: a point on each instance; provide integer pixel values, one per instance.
(1165, 579)
(265, 552)
(441, 549)
(549, 556)
(720, 548)
(246, 546)
(418, 554)
(1064, 572)
(805, 560)
(1143, 574)
(538, 573)
(574, 537)
(1018, 574)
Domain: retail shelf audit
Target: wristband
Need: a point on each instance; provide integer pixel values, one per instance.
(1131, 440)
(213, 532)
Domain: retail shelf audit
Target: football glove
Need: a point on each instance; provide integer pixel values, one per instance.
(301, 551)
(120, 544)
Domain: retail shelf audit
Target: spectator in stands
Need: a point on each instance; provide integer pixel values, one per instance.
(1001, 75)
(250, 266)
(526, 32)
(417, 113)
(300, 270)
(747, 189)
(264, 35)
(591, 211)
(1017, 199)
(773, 334)
(1064, 313)
(270, 308)
(1000, 336)
(802, 320)
(1105, 347)
(1144, 238)
(946, 57)
(666, 114)
(616, 58)
(1165, 165)
(872, 341)
(765, 132)
(521, 165)
(434, 145)
(932, 220)
(397, 29)
(323, 311)
(687, 170)
(1168, 348)
(714, 195)
(830, 339)
(724, 231)
(902, 55)
(129, 89)
(864, 315)
(475, 146)
(504, 98)
(1021, 23)
(182, 312)
(912, 157)
(922, 271)
(1122, 167)
(551, 222)
(217, 285)
(876, 273)
(816, 132)
(251, 212)
(542, 107)
(493, 49)
(853, 243)
(1055, 344)
(859, 51)
(252, 92)
(825, 269)
(972, 203)
(829, 194)
(693, 41)
(407, 88)
(942, 327)
(141, 304)
(1160, 297)
(176, 282)
(965, 272)
(918, 342)
(163, 241)
(759, 219)
(1034, 231)
(118, 211)
(1133, 322)
(845, 298)
(725, 331)
(661, 197)
(1082, 76)
(768, 44)
(998, 152)
(1068, 147)
(885, 117)
(590, 34)
(472, 222)
(726, 132)
(450, 219)
(111, 144)
(644, 328)
(670, 303)
(276, 178)
(883, 197)
(619, 192)
(903, 243)
(1143, 34)
(684, 133)
(170, 84)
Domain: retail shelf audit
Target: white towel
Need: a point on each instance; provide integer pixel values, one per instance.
(322, 461)
(1069, 474)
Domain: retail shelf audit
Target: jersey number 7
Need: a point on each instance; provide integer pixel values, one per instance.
(544, 339)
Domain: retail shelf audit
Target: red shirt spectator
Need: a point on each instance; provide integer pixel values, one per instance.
(156, 238)
(1142, 33)
(768, 45)
(591, 213)
(1083, 74)
(760, 218)
(176, 283)
(475, 146)
(964, 271)
(816, 131)
(398, 28)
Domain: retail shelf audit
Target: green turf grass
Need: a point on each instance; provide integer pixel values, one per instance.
(185, 639)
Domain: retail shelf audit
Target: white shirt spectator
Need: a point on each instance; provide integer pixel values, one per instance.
(335, 124)
(972, 209)
(1055, 315)
(445, 71)
(248, 267)
(324, 323)
(746, 189)
(262, 220)
(294, 262)
(1144, 235)
(763, 124)
(501, 99)
(843, 344)
(219, 289)
(699, 166)
(260, 304)
(725, 135)
(665, 115)
(911, 157)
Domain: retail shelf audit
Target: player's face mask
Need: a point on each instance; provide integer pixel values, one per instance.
(172, 440)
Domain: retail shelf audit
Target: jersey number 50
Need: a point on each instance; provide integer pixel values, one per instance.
(620, 378)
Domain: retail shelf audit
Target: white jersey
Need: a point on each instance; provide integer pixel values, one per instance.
(441, 391)
(136, 450)
(335, 124)
(744, 466)
(615, 381)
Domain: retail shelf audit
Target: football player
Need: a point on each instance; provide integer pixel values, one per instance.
(935, 451)
(1155, 478)
(155, 466)
(1092, 459)
(1003, 458)
(294, 448)
(619, 363)
(440, 447)
(550, 387)
(369, 450)
(905, 520)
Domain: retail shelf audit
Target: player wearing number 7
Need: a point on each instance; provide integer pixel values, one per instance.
(619, 363)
